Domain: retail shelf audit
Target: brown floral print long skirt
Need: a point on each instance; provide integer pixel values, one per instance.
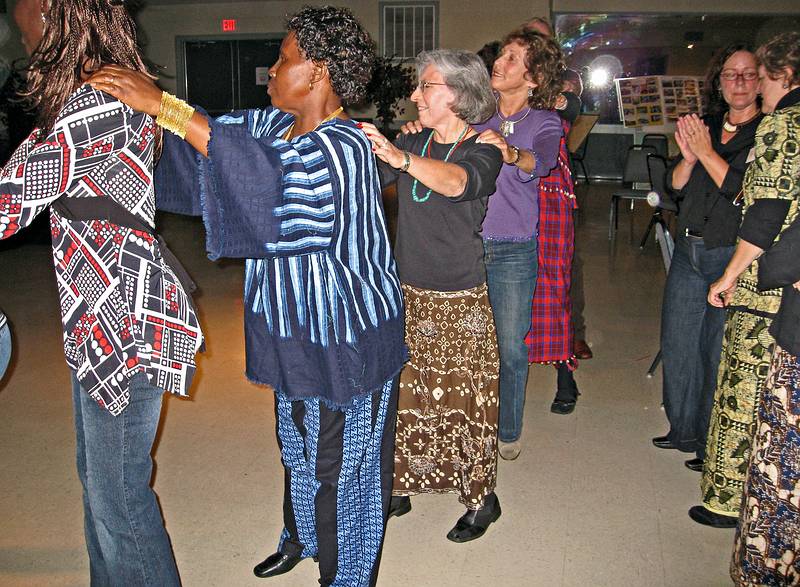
(448, 403)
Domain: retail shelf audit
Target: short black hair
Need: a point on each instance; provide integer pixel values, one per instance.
(333, 36)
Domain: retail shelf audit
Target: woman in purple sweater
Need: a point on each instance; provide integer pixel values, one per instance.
(526, 78)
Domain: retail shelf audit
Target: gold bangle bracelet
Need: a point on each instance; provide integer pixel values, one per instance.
(174, 114)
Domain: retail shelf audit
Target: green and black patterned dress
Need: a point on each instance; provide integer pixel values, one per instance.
(747, 346)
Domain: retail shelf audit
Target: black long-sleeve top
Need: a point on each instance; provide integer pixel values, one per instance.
(780, 267)
(439, 245)
(706, 208)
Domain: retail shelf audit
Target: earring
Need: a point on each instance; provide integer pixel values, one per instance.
(310, 86)
(786, 86)
(530, 93)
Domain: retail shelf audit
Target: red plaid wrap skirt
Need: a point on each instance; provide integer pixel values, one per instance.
(550, 338)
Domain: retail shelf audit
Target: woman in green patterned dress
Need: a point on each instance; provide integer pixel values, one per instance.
(770, 197)
(767, 545)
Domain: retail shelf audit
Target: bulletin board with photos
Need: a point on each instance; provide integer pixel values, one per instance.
(658, 100)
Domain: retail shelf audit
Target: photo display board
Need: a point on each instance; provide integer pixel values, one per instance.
(658, 100)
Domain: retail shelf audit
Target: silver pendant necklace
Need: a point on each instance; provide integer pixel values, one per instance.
(507, 126)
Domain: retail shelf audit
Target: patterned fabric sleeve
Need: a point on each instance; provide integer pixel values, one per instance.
(41, 171)
(771, 179)
(777, 163)
(264, 196)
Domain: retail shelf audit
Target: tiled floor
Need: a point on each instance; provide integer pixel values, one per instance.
(589, 502)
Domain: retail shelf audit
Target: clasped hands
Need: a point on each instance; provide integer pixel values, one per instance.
(693, 138)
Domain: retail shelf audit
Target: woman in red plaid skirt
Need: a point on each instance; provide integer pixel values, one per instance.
(550, 339)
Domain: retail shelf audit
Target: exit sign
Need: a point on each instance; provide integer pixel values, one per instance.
(229, 25)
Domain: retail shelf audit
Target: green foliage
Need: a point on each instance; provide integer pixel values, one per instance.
(392, 81)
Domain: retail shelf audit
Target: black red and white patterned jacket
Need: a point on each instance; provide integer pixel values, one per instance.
(122, 307)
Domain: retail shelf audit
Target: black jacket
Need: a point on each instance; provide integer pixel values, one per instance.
(706, 208)
(780, 267)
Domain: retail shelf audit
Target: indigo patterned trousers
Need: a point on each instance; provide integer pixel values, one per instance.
(338, 482)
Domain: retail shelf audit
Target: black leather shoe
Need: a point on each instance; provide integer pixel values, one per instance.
(663, 442)
(276, 564)
(708, 518)
(563, 406)
(399, 506)
(474, 523)
(694, 464)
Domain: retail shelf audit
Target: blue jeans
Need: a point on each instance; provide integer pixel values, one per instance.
(125, 535)
(511, 277)
(5, 348)
(691, 341)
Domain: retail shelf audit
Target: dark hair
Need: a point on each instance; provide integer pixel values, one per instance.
(545, 64)
(712, 91)
(78, 36)
(779, 52)
(488, 54)
(530, 26)
(573, 77)
(333, 36)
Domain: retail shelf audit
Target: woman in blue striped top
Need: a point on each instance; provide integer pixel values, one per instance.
(295, 190)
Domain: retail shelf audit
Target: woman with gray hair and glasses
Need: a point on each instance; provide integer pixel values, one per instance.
(448, 404)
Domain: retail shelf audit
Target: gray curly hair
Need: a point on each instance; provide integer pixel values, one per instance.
(466, 76)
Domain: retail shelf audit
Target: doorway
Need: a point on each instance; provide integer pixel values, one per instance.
(225, 74)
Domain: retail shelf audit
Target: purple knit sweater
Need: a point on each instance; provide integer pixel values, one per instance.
(513, 213)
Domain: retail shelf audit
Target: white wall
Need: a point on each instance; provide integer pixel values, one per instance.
(467, 24)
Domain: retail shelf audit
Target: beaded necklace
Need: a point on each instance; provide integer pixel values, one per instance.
(455, 146)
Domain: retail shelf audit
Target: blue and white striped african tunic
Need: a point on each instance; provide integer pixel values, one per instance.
(323, 306)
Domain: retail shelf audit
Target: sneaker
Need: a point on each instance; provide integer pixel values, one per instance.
(509, 450)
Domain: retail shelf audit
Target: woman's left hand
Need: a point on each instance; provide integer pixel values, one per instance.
(133, 88)
(697, 136)
(721, 291)
(491, 137)
(382, 146)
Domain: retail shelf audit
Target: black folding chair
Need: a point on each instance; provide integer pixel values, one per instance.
(635, 174)
(659, 142)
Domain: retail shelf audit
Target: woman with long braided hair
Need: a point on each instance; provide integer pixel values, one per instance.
(130, 330)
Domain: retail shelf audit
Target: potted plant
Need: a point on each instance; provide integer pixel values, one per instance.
(392, 81)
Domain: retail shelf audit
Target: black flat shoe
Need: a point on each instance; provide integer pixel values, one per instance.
(708, 518)
(663, 442)
(276, 564)
(474, 523)
(694, 464)
(399, 506)
(563, 406)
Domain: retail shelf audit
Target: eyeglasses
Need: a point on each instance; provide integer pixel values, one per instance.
(425, 84)
(732, 76)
